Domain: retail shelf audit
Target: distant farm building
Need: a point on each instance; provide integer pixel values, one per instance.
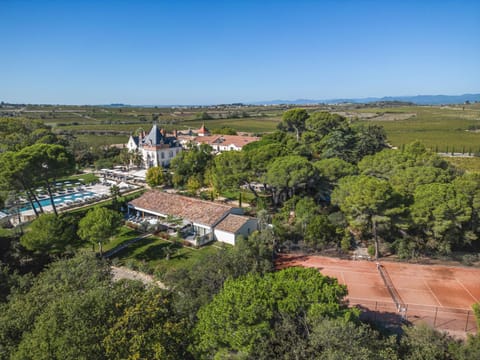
(219, 143)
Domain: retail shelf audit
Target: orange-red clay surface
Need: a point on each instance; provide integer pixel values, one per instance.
(439, 295)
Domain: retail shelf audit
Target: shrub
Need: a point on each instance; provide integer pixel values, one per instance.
(469, 259)
(131, 264)
(371, 250)
(345, 243)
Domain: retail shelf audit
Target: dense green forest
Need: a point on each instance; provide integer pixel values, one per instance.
(230, 307)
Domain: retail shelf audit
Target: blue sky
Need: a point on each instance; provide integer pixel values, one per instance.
(206, 52)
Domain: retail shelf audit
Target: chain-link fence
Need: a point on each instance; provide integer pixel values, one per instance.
(441, 318)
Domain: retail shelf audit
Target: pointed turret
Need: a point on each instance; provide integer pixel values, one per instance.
(154, 137)
(203, 131)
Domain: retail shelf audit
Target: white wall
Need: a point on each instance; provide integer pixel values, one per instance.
(250, 226)
(225, 237)
(228, 237)
(131, 144)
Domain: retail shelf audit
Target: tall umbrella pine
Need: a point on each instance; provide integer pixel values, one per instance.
(48, 162)
(365, 200)
(16, 175)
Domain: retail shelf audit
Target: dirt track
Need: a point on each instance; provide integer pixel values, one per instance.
(125, 273)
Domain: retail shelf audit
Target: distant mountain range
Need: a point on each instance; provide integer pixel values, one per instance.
(418, 99)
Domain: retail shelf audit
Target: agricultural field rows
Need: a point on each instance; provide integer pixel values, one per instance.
(441, 128)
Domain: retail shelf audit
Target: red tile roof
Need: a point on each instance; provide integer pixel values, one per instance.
(232, 223)
(191, 209)
(226, 140)
(203, 129)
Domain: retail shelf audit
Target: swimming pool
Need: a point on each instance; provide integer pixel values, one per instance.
(59, 199)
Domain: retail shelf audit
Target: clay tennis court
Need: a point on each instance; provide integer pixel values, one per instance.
(441, 296)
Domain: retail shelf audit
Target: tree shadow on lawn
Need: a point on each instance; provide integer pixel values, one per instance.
(132, 248)
(160, 251)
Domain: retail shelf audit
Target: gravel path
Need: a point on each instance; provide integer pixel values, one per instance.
(125, 273)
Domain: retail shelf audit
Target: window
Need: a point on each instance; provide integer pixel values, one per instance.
(162, 155)
(170, 153)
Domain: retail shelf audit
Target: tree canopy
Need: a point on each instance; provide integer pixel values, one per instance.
(50, 234)
(99, 225)
(73, 310)
(243, 313)
(155, 176)
(191, 163)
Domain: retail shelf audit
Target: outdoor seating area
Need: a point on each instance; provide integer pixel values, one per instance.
(173, 227)
(90, 199)
(119, 175)
(66, 195)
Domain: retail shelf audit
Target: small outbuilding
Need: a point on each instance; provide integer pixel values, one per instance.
(233, 225)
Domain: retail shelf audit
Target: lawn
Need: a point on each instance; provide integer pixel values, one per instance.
(125, 234)
(7, 232)
(84, 178)
(149, 255)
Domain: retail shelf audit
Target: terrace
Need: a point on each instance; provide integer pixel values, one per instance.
(174, 227)
(192, 219)
(119, 174)
(66, 195)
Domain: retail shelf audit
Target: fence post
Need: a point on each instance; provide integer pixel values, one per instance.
(466, 323)
(435, 318)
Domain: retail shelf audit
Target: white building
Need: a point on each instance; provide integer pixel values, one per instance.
(232, 226)
(156, 148)
(208, 220)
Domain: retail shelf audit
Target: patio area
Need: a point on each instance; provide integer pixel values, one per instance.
(66, 195)
(181, 228)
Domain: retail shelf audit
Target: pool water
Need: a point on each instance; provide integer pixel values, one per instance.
(59, 199)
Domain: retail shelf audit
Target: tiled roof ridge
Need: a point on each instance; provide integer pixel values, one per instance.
(196, 199)
(232, 222)
(198, 210)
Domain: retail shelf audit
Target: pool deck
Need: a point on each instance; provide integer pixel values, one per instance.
(97, 189)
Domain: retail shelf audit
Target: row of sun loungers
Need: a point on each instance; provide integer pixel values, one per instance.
(82, 201)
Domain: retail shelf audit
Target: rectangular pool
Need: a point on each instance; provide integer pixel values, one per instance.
(59, 199)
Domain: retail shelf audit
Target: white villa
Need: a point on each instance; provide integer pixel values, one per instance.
(156, 148)
(202, 221)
